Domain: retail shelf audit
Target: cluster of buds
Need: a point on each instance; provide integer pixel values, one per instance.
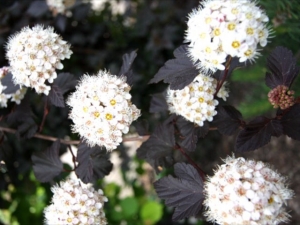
(196, 101)
(281, 97)
(101, 109)
(246, 192)
(218, 29)
(34, 55)
(75, 203)
(14, 97)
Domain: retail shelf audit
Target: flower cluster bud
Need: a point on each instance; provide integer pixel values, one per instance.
(196, 101)
(16, 97)
(34, 55)
(219, 29)
(281, 97)
(246, 192)
(101, 109)
(74, 202)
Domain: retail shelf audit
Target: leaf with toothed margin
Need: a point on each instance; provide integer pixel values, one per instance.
(56, 96)
(7, 81)
(93, 163)
(185, 192)
(158, 103)
(126, 67)
(291, 122)
(47, 164)
(283, 68)
(178, 72)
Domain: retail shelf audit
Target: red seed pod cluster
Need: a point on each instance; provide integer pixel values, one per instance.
(281, 97)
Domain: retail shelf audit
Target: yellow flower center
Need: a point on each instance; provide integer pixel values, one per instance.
(208, 50)
(250, 31)
(112, 102)
(85, 109)
(260, 34)
(235, 44)
(96, 114)
(249, 16)
(108, 116)
(200, 88)
(235, 11)
(203, 35)
(217, 32)
(69, 220)
(191, 89)
(270, 200)
(201, 99)
(215, 62)
(96, 98)
(100, 131)
(248, 52)
(208, 20)
(231, 26)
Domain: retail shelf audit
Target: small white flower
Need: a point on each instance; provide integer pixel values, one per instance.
(221, 28)
(255, 193)
(74, 201)
(196, 101)
(60, 6)
(34, 54)
(101, 109)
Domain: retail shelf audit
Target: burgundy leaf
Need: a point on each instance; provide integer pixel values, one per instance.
(65, 82)
(228, 120)
(185, 192)
(93, 163)
(291, 122)
(178, 72)
(46, 164)
(56, 96)
(283, 68)
(255, 135)
(158, 103)
(7, 81)
(126, 66)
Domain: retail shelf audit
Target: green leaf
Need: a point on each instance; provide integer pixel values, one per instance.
(130, 206)
(151, 212)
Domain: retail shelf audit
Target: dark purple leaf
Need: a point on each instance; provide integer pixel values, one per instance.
(190, 133)
(46, 164)
(158, 148)
(228, 120)
(126, 66)
(65, 82)
(56, 96)
(158, 103)
(291, 122)
(93, 163)
(27, 129)
(141, 127)
(37, 8)
(178, 72)
(185, 192)
(255, 134)
(7, 81)
(283, 68)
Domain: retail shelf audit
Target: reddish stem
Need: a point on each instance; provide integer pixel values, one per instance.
(220, 83)
(46, 111)
(191, 161)
(73, 156)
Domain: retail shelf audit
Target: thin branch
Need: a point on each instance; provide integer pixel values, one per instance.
(73, 156)
(220, 84)
(191, 161)
(73, 142)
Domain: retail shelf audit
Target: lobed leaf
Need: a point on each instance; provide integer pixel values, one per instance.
(291, 122)
(65, 82)
(46, 164)
(158, 148)
(178, 72)
(158, 103)
(257, 133)
(228, 119)
(126, 66)
(93, 163)
(283, 68)
(190, 133)
(56, 96)
(185, 192)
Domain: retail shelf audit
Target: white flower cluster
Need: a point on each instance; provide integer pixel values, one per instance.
(222, 28)
(60, 6)
(101, 109)
(246, 192)
(196, 101)
(34, 54)
(14, 97)
(75, 203)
